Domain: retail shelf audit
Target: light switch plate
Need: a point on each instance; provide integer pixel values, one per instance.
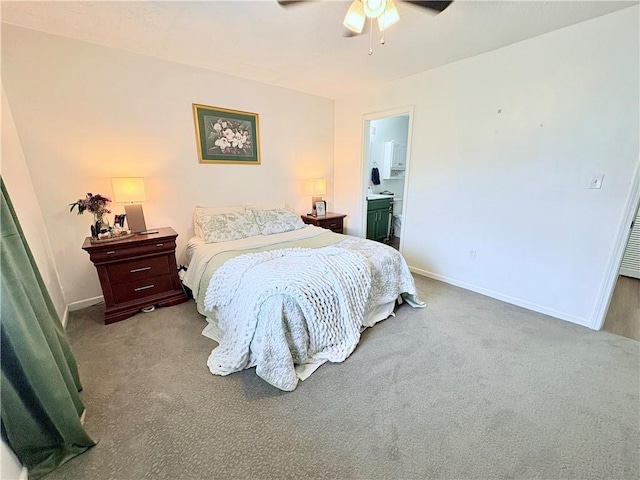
(596, 180)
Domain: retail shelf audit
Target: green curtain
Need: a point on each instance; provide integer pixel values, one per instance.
(40, 404)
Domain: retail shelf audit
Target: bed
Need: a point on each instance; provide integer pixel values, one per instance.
(285, 297)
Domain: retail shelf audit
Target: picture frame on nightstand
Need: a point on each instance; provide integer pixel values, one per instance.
(321, 208)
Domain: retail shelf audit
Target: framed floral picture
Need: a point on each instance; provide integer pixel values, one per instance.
(226, 136)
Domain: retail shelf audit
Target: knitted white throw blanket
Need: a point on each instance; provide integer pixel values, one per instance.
(284, 307)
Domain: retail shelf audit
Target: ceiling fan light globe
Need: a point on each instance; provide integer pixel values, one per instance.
(389, 17)
(354, 19)
(374, 8)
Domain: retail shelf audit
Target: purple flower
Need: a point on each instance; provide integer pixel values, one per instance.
(96, 204)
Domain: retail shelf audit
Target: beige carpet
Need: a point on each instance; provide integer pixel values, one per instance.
(469, 387)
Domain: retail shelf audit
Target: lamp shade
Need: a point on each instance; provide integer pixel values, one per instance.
(128, 189)
(354, 19)
(389, 17)
(316, 186)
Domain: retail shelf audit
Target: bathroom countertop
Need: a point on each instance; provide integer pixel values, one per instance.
(376, 196)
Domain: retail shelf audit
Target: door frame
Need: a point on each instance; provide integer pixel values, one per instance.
(615, 260)
(365, 173)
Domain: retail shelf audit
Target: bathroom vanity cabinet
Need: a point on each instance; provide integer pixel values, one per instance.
(378, 215)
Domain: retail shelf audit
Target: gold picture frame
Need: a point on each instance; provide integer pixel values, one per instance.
(226, 136)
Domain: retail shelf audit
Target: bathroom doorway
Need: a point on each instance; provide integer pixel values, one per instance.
(385, 169)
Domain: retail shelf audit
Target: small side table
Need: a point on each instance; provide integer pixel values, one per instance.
(137, 272)
(331, 221)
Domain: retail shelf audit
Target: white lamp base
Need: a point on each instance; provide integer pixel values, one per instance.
(135, 218)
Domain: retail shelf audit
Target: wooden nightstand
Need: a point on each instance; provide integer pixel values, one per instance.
(137, 272)
(331, 221)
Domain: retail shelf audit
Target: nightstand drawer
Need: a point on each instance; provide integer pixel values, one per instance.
(144, 287)
(330, 221)
(333, 225)
(124, 252)
(138, 269)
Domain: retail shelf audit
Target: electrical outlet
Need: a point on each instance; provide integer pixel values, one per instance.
(596, 180)
(472, 254)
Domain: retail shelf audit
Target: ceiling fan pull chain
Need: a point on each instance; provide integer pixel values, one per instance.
(370, 35)
(382, 28)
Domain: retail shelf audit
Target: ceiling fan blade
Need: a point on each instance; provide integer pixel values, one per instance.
(350, 33)
(289, 3)
(435, 5)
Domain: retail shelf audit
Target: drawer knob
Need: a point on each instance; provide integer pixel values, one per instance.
(146, 287)
(333, 224)
(139, 269)
(111, 252)
(159, 244)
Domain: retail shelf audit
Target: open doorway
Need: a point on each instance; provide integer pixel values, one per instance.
(629, 219)
(385, 162)
(623, 316)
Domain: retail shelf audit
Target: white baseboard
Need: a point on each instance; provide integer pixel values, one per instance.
(65, 316)
(79, 305)
(505, 298)
(24, 475)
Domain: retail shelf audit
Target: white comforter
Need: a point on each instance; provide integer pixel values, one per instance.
(259, 322)
(285, 307)
(199, 253)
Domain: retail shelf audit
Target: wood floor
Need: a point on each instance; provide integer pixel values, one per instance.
(394, 242)
(623, 317)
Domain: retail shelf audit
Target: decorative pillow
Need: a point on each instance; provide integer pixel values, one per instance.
(223, 227)
(266, 206)
(277, 220)
(200, 211)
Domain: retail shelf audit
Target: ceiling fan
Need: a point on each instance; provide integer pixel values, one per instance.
(384, 11)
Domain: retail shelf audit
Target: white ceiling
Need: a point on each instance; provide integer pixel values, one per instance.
(301, 47)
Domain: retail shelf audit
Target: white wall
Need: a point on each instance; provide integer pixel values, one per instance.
(23, 197)
(10, 466)
(503, 147)
(85, 113)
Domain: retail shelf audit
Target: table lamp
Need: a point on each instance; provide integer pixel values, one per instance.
(316, 188)
(128, 190)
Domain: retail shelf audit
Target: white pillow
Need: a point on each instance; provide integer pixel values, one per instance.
(266, 206)
(199, 211)
(224, 227)
(277, 220)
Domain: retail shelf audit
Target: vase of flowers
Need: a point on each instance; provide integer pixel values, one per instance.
(96, 204)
